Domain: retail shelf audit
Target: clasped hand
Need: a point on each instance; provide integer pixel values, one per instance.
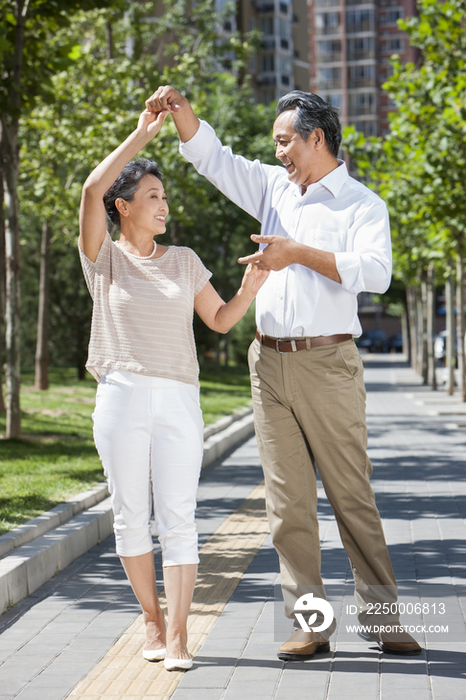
(253, 279)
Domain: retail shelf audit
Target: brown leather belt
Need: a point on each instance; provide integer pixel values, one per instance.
(295, 344)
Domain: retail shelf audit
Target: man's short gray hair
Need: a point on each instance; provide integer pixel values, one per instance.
(312, 112)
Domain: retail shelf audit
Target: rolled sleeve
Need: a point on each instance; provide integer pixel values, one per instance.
(243, 181)
(368, 266)
(202, 141)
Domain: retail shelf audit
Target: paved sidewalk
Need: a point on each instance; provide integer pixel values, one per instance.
(80, 635)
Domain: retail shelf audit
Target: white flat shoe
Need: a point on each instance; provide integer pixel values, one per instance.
(178, 664)
(154, 654)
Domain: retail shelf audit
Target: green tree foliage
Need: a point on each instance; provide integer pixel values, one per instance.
(96, 104)
(29, 57)
(418, 168)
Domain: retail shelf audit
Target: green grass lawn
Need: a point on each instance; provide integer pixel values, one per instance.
(56, 458)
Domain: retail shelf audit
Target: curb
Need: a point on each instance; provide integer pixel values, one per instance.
(31, 554)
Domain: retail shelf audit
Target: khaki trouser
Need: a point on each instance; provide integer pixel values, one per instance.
(309, 411)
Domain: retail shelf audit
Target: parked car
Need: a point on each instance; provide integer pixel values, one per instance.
(440, 346)
(395, 342)
(373, 341)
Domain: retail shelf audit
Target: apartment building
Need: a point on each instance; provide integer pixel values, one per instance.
(350, 44)
(281, 64)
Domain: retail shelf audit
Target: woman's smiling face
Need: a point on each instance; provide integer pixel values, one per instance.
(148, 209)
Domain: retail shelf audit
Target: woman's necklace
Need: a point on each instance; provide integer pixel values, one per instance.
(142, 257)
(146, 257)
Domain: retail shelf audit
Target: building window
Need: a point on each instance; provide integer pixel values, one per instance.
(360, 47)
(267, 96)
(268, 62)
(329, 77)
(361, 103)
(395, 44)
(328, 23)
(334, 99)
(329, 50)
(283, 8)
(368, 128)
(392, 16)
(267, 26)
(284, 28)
(361, 76)
(359, 20)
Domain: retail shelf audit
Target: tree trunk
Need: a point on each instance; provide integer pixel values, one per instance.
(2, 289)
(9, 154)
(411, 306)
(460, 322)
(218, 364)
(430, 313)
(175, 232)
(405, 334)
(42, 346)
(422, 330)
(450, 349)
(12, 340)
(109, 41)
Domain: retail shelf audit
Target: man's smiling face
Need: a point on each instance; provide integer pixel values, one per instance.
(297, 155)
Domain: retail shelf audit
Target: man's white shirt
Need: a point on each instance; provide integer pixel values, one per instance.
(336, 214)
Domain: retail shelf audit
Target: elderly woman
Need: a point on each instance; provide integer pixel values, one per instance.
(148, 424)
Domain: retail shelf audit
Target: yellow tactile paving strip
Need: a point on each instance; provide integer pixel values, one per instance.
(123, 674)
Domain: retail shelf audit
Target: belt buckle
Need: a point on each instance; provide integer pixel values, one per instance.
(285, 340)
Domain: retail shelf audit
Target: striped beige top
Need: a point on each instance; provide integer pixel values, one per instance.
(142, 319)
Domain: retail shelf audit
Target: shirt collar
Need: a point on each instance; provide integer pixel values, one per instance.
(335, 180)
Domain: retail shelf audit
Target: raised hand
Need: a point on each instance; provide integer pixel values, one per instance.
(165, 98)
(151, 122)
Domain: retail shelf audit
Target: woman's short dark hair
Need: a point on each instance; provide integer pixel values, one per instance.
(312, 112)
(127, 183)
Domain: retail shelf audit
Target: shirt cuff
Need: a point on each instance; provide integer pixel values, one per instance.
(349, 269)
(197, 146)
(363, 272)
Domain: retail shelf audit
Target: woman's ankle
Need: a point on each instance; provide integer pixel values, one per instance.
(177, 643)
(155, 616)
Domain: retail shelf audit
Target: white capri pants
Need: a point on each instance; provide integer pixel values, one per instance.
(149, 435)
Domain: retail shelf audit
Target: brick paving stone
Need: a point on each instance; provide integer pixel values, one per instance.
(419, 479)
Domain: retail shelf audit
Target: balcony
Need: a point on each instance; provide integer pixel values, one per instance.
(268, 44)
(333, 84)
(329, 57)
(360, 110)
(361, 82)
(360, 55)
(328, 29)
(264, 8)
(267, 80)
(357, 27)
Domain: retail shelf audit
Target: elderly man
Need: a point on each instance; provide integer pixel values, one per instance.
(326, 238)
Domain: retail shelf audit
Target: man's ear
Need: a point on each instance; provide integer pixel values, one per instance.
(318, 137)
